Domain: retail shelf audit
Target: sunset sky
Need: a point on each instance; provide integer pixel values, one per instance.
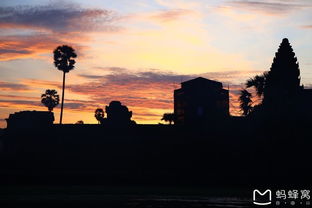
(138, 51)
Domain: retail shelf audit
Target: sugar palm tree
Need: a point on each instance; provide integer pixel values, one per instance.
(50, 99)
(99, 114)
(64, 61)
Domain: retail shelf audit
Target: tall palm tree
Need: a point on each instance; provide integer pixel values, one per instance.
(168, 117)
(50, 99)
(64, 61)
(99, 114)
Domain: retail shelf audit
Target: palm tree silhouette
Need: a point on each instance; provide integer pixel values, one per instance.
(64, 61)
(99, 114)
(168, 117)
(258, 82)
(245, 102)
(50, 99)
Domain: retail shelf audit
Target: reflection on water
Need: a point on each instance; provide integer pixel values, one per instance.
(122, 201)
(188, 202)
(122, 197)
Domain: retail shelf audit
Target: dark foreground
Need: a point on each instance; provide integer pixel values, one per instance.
(123, 197)
(153, 166)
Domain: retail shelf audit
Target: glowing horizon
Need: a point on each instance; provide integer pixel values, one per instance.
(138, 52)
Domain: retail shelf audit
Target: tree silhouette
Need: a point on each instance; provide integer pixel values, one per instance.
(245, 102)
(64, 61)
(79, 122)
(283, 79)
(258, 82)
(50, 99)
(99, 114)
(168, 117)
(118, 114)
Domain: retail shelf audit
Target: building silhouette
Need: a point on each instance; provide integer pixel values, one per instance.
(304, 104)
(30, 119)
(200, 101)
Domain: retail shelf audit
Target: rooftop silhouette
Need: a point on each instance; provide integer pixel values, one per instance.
(200, 101)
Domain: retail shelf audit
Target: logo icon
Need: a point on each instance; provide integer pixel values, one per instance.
(264, 198)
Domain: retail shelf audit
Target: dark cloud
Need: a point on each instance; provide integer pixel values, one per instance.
(31, 102)
(90, 76)
(76, 106)
(142, 115)
(269, 7)
(151, 76)
(148, 89)
(111, 69)
(126, 77)
(9, 103)
(5, 86)
(50, 25)
(56, 18)
(14, 51)
(19, 97)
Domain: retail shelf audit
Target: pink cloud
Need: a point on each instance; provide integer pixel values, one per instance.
(171, 15)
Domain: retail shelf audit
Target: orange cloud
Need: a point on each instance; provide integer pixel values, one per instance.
(152, 89)
(44, 84)
(32, 46)
(306, 26)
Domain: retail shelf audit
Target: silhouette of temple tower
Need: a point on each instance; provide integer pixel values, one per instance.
(199, 101)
